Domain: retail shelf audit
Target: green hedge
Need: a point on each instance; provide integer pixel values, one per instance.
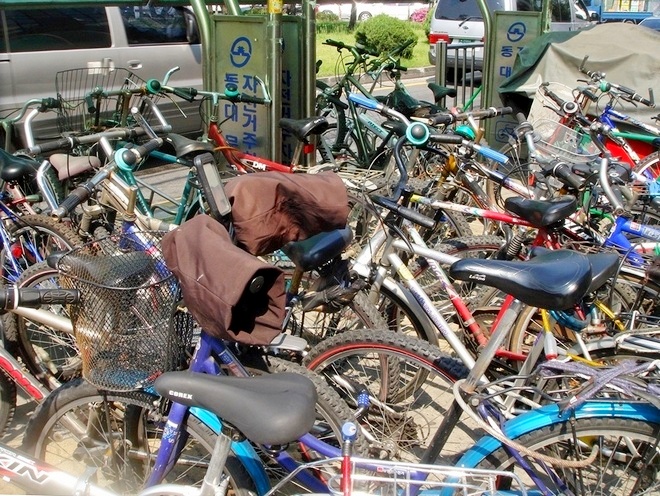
(383, 33)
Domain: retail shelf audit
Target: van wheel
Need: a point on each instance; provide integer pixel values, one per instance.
(364, 16)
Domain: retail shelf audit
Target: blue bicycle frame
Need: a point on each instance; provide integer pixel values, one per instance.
(203, 361)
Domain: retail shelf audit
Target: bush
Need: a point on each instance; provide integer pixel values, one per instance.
(326, 16)
(427, 22)
(383, 33)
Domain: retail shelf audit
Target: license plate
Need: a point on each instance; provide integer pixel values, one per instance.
(464, 41)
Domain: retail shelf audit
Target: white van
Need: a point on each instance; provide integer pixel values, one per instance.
(461, 21)
(37, 43)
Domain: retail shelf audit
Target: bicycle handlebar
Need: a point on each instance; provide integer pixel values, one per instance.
(452, 117)
(123, 158)
(42, 105)
(418, 134)
(12, 297)
(189, 94)
(71, 142)
(605, 86)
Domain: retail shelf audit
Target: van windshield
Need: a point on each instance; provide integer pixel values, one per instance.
(464, 9)
(461, 10)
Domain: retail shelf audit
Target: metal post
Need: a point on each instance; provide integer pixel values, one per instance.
(309, 56)
(274, 30)
(487, 91)
(441, 62)
(206, 39)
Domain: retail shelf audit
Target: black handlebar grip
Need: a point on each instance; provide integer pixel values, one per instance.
(589, 94)
(555, 98)
(563, 172)
(448, 139)
(49, 103)
(63, 143)
(75, 198)
(35, 297)
(520, 117)
(132, 155)
(187, 94)
(250, 99)
(441, 119)
(405, 212)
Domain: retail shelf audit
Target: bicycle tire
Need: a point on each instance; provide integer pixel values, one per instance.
(317, 325)
(409, 382)
(7, 401)
(33, 237)
(136, 415)
(649, 165)
(49, 354)
(607, 475)
(335, 413)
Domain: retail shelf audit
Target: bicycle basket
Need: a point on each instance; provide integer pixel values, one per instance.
(95, 99)
(125, 325)
(399, 478)
(562, 142)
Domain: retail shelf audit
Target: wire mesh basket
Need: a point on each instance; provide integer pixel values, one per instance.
(127, 326)
(562, 142)
(97, 98)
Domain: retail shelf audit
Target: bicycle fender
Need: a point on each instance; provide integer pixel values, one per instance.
(549, 415)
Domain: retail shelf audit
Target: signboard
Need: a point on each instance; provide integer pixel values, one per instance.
(241, 58)
(512, 30)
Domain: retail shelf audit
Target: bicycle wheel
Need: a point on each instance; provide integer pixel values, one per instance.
(628, 459)
(409, 383)
(326, 321)
(78, 428)
(517, 170)
(49, 354)
(32, 238)
(649, 166)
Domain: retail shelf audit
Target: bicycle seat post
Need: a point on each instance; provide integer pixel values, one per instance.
(214, 483)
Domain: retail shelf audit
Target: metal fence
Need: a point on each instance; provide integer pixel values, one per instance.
(463, 61)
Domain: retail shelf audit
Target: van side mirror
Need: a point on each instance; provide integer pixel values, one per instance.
(593, 16)
(192, 30)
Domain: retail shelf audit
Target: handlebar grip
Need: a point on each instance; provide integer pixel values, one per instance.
(448, 139)
(555, 98)
(498, 157)
(363, 101)
(131, 156)
(589, 94)
(14, 297)
(75, 198)
(62, 143)
(337, 44)
(520, 117)
(405, 212)
(49, 104)
(563, 172)
(438, 119)
(187, 94)
(249, 99)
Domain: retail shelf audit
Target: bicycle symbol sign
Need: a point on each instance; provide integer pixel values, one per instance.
(516, 32)
(240, 51)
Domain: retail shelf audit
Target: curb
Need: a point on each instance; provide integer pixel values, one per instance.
(412, 73)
